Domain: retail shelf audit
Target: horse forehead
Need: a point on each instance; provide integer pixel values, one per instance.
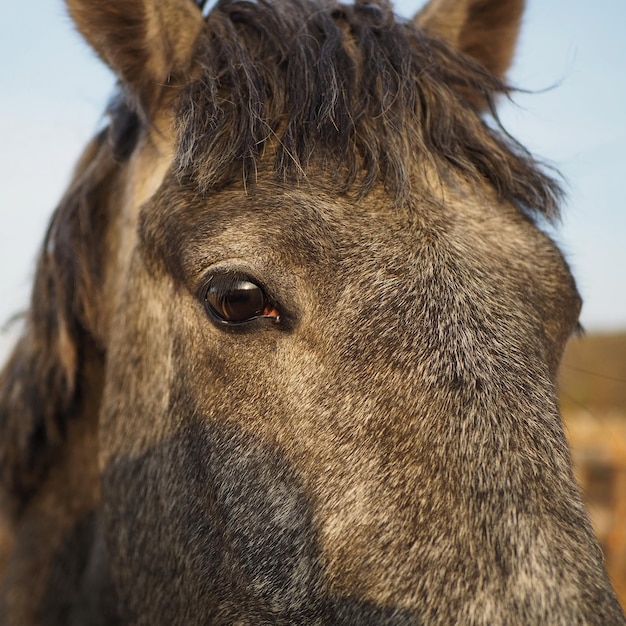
(309, 226)
(306, 224)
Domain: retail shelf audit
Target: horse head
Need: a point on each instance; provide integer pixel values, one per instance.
(294, 335)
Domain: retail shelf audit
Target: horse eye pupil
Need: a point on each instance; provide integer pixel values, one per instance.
(236, 301)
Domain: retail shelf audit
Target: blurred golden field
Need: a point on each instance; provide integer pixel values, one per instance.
(592, 390)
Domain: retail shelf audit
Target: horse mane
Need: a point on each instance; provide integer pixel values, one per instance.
(352, 88)
(41, 384)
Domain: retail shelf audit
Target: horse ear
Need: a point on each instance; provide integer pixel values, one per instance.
(486, 30)
(147, 43)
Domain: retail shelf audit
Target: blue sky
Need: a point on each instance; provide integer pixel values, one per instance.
(54, 90)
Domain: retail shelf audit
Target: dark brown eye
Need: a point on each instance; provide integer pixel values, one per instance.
(234, 300)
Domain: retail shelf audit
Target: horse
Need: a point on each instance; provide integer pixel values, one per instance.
(291, 352)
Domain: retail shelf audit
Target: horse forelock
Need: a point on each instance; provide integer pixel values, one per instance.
(353, 89)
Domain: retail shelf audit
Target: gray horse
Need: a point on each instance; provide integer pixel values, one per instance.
(293, 340)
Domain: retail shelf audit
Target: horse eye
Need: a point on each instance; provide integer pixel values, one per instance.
(235, 300)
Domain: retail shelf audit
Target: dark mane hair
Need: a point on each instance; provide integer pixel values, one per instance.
(41, 385)
(352, 87)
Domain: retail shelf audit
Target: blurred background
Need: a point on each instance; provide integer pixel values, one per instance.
(571, 59)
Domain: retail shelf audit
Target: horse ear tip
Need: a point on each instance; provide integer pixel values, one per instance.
(158, 40)
(486, 30)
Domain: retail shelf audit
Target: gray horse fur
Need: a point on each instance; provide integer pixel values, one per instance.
(380, 442)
